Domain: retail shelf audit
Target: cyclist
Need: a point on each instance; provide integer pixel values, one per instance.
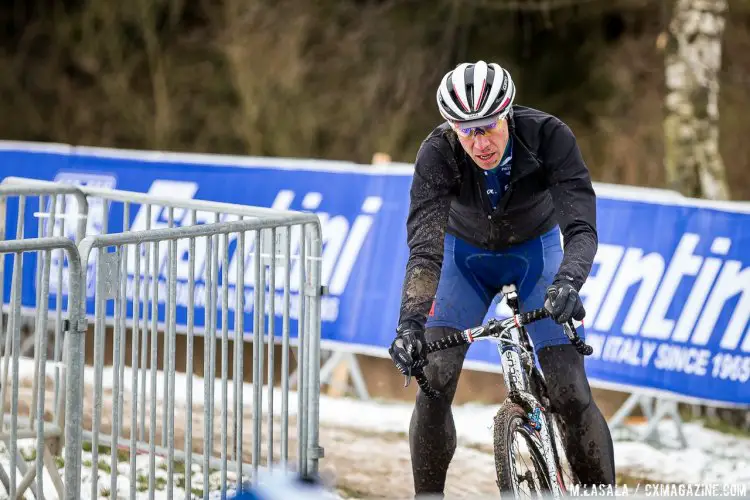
(493, 188)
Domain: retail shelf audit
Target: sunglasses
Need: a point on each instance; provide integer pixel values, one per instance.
(468, 132)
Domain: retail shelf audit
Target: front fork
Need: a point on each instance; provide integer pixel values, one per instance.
(515, 382)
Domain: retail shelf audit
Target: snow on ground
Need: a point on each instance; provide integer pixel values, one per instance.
(366, 442)
(124, 477)
(711, 456)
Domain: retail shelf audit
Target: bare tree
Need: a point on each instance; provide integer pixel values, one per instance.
(693, 163)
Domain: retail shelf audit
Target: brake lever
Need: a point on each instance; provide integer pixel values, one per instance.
(407, 378)
(581, 346)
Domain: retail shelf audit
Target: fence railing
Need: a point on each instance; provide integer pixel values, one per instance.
(112, 277)
(44, 428)
(155, 276)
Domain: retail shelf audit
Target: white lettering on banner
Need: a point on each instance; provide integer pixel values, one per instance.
(657, 281)
(683, 263)
(360, 230)
(159, 218)
(159, 215)
(67, 225)
(342, 244)
(329, 305)
(690, 360)
(669, 357)
(595, 289)
(96, 218)
(635, 267)
(627, 350)
(732, 281)
(696, 299)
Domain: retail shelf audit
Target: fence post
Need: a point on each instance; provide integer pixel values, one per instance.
(73, 365)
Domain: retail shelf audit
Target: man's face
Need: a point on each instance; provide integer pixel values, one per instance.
(485, 144)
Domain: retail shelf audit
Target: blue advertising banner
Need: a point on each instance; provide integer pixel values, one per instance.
(668, 299)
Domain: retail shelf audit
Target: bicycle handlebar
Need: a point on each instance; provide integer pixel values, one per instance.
(493, 329)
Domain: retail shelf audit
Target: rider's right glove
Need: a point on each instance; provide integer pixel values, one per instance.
(407, 349)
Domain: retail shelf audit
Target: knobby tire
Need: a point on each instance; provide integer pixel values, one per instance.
(509, 422)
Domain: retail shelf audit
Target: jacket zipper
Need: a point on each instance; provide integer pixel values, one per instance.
(509, 193)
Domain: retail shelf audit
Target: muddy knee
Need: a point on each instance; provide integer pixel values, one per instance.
(568, 387)
(445, 366)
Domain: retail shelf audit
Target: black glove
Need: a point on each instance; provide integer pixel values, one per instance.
(564, 303)
(407, 349)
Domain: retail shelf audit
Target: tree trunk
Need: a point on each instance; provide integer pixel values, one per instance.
(693, 58)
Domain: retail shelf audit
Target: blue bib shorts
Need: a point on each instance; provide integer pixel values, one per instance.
(471, 279)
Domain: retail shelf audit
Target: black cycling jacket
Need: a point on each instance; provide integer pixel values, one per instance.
(549, 184)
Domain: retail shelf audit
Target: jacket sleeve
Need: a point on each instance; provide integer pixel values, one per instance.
(430, 199)
(570, 185)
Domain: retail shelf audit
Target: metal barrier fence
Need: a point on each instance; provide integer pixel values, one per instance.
(127, 274)
(50, 205)
(93, 210)
(44, 428)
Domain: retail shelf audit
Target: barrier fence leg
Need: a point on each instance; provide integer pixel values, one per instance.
(622, 413)
(664, 408)
(337, 370)
(315, 451)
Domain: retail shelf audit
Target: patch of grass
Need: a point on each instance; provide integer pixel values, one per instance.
(59, 462)
(28, 455)
(142, 484)
(103, 465)
(178, 467)
(104, 493)
(197, 492)
(87, 463)
(163, 466)
(102, 449)
(161, 483)
(179, 481)
(123, 455)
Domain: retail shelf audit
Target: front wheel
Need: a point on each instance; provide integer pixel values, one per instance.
(565, 471)
(519, 459)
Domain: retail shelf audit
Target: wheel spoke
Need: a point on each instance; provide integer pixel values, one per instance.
(534, 475)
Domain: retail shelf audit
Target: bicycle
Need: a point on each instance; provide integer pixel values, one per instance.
(527, 407)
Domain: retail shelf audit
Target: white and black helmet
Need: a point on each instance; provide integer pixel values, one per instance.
(476, 94)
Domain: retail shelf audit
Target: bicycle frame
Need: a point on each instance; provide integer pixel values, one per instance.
(513, 337)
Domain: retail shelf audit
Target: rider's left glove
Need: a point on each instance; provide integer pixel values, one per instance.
(563, 302)
(407, 348)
